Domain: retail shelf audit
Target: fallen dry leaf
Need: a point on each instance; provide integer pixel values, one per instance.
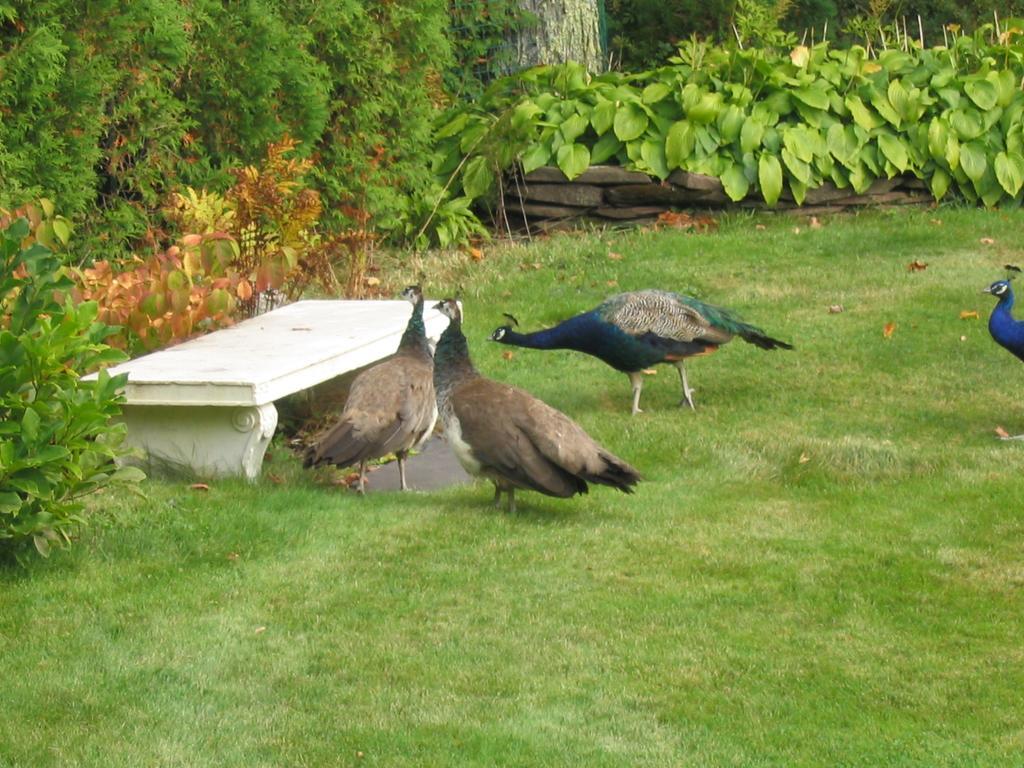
(275, 479)
(815, 222)
(835, 309)
(969, 314)
(796, 230)
(614, 256)
(233, 555)
(1002, 433)
(649, 372)
(476, 254)
(507, 355)
(937, 222)
(199, 487)
(371, 281)
(917, 266)
(804, 458)
(888, 330)
(759, 227)
(987, 241)
(259, 630)
(612, 283)
(963, 338)
(244, 290)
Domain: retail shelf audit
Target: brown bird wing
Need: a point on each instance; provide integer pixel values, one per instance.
(530, 444)
(390, 408)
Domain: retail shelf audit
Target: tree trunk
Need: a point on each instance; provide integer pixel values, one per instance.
(561, 31)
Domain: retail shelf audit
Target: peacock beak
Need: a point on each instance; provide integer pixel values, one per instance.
(987, 290)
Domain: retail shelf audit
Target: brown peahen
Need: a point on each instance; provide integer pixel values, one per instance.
(509, 436)
(391, 407)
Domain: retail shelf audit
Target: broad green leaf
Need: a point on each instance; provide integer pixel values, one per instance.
(982, 93)
(812, 97)
(128, 475)
(679, 144)
(939, 183)
(453, 126)
(654, 93)
(706, 110)
(799, 191)
(966, 124)
(800, 170)
(778, 102)
(607, 146)
(736, 183)
(893, 150)
(801, 142)
(630, 122)
(863, 116)
(573, 159)
(573, 127)
(30, 425)
(1010, 172)
(9, 502)
(523, 114)
(653, 154)
(898, 98)
(880, 101)
(62, 230)
(953, 153)
(751, 134)
(769, 177)
(477, 177)
(1005, 84)
(603, 117)
(973, 160)
(938, 137)
(842, 143)
(536, 157)
(860, 179)
(730, 122)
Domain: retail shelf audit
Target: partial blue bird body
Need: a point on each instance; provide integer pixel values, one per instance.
(593, 335)
(1005, 330)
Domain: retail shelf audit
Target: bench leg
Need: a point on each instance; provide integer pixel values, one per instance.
(206, 441)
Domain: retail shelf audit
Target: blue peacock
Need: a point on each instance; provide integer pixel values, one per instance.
(1006, 331)
(635, 330)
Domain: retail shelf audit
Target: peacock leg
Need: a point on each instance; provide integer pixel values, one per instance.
(511, 500)
(687, 391)
(400, 455)
(497, 496)
(362, 477)
(636, 379)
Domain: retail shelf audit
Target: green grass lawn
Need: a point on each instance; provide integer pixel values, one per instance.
(824, 565)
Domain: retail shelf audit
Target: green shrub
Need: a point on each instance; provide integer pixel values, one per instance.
(763, 120)
(112, 110)
(56, 444)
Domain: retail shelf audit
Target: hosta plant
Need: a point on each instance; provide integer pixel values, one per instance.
(762, 121)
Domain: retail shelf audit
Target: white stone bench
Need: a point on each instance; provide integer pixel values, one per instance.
(207, 405)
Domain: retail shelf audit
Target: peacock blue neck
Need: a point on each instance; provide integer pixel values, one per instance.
(565, 335)
(451, 358)
(593, 335)
(415, 336)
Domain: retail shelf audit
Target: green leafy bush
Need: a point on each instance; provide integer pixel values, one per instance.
(56, 444)
(762, 120)
(112, 110)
